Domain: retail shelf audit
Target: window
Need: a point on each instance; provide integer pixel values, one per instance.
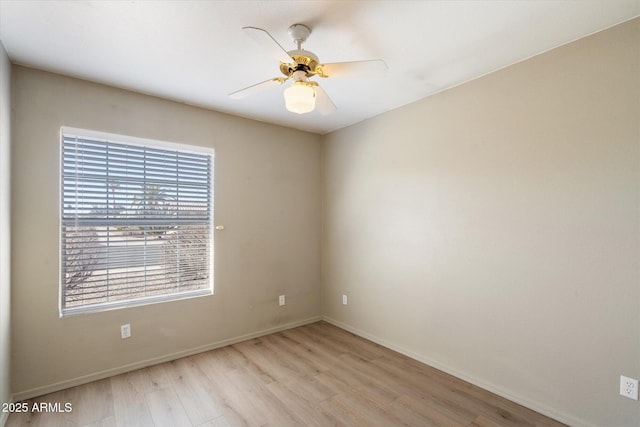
(136, 221)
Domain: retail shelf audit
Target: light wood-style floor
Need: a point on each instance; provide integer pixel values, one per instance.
(314, 375)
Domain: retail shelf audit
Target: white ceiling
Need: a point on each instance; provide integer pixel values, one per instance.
(195, 51)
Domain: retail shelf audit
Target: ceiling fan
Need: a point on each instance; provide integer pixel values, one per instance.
(299, 65)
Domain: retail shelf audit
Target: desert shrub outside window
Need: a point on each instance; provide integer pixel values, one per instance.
(136, 221)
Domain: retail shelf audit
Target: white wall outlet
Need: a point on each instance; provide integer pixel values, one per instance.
(344, 299)
(628, 387)
(281, 300)
(125, 331)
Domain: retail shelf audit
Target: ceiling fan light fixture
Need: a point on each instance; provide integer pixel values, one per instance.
(300, 98)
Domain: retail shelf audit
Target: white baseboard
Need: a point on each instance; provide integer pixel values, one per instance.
(61, 385)
(514, 397)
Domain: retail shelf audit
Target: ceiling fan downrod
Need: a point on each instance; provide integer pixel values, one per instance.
(299, 34)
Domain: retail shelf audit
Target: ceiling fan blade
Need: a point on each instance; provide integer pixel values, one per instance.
(268, 43)
(243, 93)
(370, 68)
(324, 104)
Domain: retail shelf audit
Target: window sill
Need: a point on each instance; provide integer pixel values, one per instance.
(116, 305)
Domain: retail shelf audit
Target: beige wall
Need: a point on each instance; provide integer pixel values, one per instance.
(5, 229)
(493, 230)
(267, 195)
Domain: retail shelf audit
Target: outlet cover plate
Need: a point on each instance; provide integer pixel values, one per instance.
(628, 387)
(344, 299)
(281, 300)
(125, 331)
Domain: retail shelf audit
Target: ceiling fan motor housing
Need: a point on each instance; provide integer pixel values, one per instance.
(304, 61)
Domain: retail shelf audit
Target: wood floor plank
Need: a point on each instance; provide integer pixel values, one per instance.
(261, 359)
(91, 402)
(306, 407)
(493, 406)
(105, 422)
(313, 390)
(446, 395)
(482, 421)
(229, 396)
(302, 365)
(434, 412)
(221, 421)
(192, 391)
(316, 375)
(156, 377)
(288, 339)
(166, 408)
(129, 402)
(361, 410)
(246, 357)
(335, 383)
(370, 381)
(352, 343)
(271, 409)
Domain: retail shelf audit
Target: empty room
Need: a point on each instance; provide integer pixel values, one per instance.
(320, 213)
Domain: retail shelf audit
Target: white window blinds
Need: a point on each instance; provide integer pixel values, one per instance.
(136, 223)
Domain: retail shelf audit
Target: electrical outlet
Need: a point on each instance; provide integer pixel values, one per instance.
(125, 331)
(628, 387)
(281, 300)
(344, 299)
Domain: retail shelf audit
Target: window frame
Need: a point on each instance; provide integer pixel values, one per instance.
(146, 300)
